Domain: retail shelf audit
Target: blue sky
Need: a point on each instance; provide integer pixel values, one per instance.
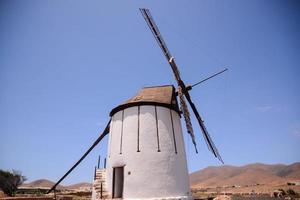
(65, 64)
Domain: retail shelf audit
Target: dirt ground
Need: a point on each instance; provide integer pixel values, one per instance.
(243, 192)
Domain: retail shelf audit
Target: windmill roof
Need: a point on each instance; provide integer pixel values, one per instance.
(158, 95)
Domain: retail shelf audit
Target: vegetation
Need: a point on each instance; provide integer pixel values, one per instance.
(10, 181)
(291, 192)
(282, 192)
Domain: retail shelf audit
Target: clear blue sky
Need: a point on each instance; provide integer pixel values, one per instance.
(65, 64)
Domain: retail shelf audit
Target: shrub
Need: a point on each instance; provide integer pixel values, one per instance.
(9, 181)
(291, 192)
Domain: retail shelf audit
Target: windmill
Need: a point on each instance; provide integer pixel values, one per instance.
(146, 154)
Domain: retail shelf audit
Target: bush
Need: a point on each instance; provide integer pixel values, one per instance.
(282, 192)
(9, 181)
(291, 192)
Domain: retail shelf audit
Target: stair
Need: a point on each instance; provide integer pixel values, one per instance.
(99, 185)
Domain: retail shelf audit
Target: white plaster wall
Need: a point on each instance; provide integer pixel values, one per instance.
(148, 174)
(94, 195)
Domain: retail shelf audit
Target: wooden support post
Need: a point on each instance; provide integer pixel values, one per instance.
(99, 158)
(101, 191)
(55, 193)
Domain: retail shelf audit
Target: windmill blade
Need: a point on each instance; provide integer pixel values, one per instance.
(181, 86)
(148, 18)
(208, 140)
(187, 119)
(154, 29)
(104, 133)
(182, 89)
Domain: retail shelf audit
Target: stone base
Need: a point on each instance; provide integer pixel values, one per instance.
(157, 198)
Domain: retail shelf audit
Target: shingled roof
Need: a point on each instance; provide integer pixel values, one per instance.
(157, 95)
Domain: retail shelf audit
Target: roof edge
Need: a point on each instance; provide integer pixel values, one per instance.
(142, 103)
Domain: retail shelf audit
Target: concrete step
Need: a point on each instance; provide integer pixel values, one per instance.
(100, 177)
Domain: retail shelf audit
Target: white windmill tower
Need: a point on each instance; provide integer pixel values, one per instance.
(146, 154)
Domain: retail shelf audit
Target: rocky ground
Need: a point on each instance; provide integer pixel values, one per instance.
(262, 192)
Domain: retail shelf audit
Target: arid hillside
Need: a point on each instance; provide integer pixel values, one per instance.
(41, 183)
(79, 185)
(44, 183)
(251, 174)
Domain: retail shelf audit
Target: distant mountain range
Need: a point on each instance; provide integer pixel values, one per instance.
(44, 183)
(226, 175)
(245, 175)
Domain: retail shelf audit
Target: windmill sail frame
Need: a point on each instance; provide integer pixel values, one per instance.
(183, 91)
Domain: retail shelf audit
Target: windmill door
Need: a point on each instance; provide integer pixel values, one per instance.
(118, 182)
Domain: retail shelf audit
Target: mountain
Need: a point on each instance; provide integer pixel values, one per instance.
(79, 186)
(44, 183)
(226, 175)
(41, 183)
(251, 174)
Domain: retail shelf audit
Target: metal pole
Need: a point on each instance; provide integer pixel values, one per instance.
(99, 158)
(95, 173)
(104, 133)
(101, 191)
(208, 78)
(104, 163)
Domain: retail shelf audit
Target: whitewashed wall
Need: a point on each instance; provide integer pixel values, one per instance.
(148, 174)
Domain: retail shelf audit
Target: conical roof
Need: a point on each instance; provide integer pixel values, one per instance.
(157, 95)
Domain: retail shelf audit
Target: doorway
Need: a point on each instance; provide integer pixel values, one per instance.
(118, 182)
